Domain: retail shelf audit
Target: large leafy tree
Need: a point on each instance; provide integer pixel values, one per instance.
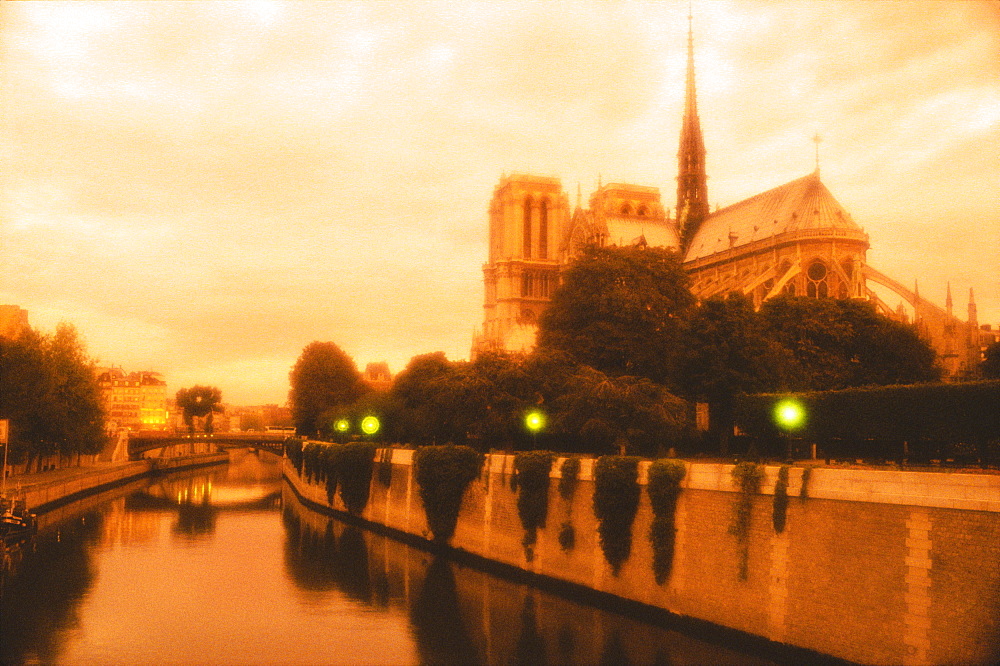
(845, 343)
(620, 310)
(323, 377)
(628, 415)
(50, 394)
(199, 402)
(991, 364)
(727, 350)
(428, 392)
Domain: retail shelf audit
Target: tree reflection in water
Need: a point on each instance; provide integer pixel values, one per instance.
(437, 619)
(460, 615)
(33, 615)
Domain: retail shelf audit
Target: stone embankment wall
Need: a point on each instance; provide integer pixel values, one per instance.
(872, 566)
(46, 495)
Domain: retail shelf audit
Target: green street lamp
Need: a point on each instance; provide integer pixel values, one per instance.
(370, 425)
(534, 421)
(789, 415)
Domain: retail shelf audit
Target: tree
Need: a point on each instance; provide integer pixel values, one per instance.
(197, 402)
(991, 364)
(323, 377)
(845, 343)
(620, 310)
(626, 415)
(50, 394)
(427, 391)
(76, 394)
(726, 350)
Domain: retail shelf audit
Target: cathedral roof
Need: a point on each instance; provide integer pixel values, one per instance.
(624, 231)
(801, 205)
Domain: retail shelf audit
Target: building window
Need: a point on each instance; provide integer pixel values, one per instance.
(527, 284)
(642, 212)
(626, 209)
(543, 229)
(527, 228)
(817, 274)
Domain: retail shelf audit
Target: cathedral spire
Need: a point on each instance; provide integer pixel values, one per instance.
(692, 191)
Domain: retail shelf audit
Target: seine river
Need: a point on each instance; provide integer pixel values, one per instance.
(224, 566)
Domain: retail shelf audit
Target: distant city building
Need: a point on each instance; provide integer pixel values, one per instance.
(137, 400)
(13, 321)
(377, 376)
(258, 418)
(794, 239)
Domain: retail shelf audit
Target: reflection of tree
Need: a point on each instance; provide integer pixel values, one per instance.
(614, 653)
(437, 620)
(195, 519)
(36, 607)
(321, 561)
(530, 645)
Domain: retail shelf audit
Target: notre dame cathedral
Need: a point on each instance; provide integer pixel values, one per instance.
(794, 239)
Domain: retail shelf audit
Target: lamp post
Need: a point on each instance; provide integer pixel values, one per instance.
(4, 437)
(789, 415)
(370, 425)
(342, 426)
(534, 421)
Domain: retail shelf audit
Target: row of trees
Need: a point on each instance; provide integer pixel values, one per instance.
(623, 351)
(50, 395)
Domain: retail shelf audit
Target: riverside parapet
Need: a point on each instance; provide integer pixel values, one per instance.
(871, 566)
(42, 492)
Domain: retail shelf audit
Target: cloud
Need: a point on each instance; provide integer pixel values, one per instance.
(230, 181)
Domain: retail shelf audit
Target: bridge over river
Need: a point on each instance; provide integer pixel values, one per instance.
(139, 443)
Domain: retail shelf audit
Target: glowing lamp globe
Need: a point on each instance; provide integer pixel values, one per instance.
(342, 425)
(789, 414)
(370, 425)
(534, 421)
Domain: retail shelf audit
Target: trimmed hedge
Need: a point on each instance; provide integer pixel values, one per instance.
(779, 506)
(747, 476)
(570, 471)
(875, 422)
(664, 487)
(616, 501)
(443, 473)
(345, 467)
(532, 469)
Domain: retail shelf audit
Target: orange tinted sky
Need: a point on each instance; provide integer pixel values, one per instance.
(205, 188)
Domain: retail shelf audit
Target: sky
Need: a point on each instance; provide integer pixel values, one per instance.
(204, 188)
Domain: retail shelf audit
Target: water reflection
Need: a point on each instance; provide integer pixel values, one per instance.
(32, 616)
(225, 566)
(460, 615)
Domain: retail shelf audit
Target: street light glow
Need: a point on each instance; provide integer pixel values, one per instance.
(789, 414)
(342, 425)
(534, 421)
(370, 425)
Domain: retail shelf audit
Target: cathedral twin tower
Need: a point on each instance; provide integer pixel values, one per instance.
(794, 239)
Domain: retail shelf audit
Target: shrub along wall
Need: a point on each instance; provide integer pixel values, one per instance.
(869, 566)
(891, 422)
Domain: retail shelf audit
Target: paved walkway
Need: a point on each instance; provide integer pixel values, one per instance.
(26, 481)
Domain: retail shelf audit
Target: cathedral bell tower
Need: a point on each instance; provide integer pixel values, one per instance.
(692, 189)
(528, 219)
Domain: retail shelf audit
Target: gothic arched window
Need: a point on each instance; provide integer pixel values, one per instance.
(543, 229)
(816, 286)
(527, 228)
(626, 209)
(642, 212)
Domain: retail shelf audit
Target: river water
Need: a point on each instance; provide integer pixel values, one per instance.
(224, 566)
